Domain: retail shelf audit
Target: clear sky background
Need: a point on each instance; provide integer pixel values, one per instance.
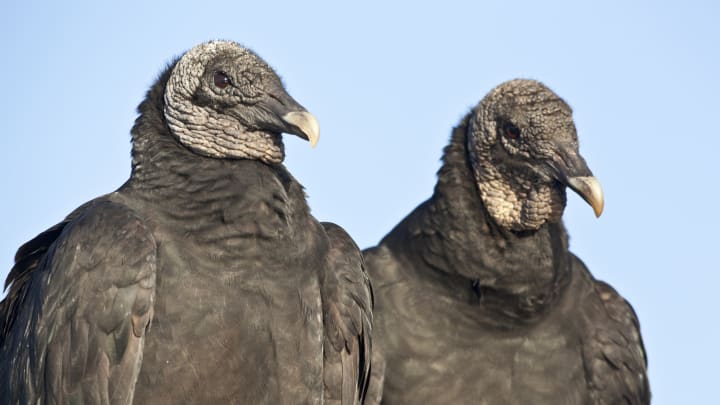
(387, 83)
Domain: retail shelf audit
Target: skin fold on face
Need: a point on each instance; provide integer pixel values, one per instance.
(524, 151)
(224, 101)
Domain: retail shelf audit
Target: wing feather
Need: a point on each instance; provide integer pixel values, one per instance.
(81, 300)
(347, 310)
(613, 351)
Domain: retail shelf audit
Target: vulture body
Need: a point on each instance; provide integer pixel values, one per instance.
(478, 299)
(204, 278)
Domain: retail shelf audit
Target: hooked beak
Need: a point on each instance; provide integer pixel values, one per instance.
(588, 187)
(290, 117)
(305, 124)
(570, 169)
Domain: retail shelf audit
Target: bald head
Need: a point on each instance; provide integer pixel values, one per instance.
(524, 151)
(224, 101)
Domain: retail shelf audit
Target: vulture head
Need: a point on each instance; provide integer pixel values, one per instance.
(224, 101)
(523, 148)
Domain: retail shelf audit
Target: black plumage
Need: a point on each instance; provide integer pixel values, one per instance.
(204, 278)
(478, 299)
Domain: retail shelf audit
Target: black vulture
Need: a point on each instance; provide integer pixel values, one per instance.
(478, 299)
(204, 279)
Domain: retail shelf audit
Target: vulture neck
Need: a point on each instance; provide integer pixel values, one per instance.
(458, 241)
(162, 168)
(190, 185)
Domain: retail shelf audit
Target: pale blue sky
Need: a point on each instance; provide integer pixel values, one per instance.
(387, 82)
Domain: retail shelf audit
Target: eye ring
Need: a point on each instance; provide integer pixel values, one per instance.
(221, 80)
(511, 131)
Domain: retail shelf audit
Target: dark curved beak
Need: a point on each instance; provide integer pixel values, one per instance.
(293, 118)
(570, 169)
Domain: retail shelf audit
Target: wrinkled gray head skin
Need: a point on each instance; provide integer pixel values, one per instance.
(524, 152)
(224, 101)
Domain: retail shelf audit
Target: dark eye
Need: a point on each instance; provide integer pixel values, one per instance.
(221, 79)
(511, 131)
